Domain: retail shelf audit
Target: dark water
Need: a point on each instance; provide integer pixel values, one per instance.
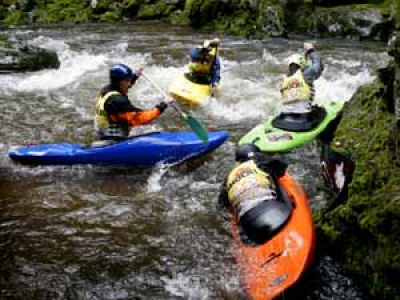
(89, 232)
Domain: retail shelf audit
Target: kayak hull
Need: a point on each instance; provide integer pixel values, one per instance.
(187, 92)
(269, 269)
(146, 150)
(270, 139)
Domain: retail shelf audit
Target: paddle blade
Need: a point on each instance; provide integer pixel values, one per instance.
(197, 127)
(337, 170)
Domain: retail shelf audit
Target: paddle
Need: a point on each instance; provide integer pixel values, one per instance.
(337, 171)
(214, 61)
(193, 123)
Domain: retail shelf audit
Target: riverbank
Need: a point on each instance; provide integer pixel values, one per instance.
(372, 19)
(363, 231)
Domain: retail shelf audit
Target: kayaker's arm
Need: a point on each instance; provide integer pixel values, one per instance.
(120, 109)
(216, 72)
(223, 199)
(141, 117)
(316, 68)
(273, 166)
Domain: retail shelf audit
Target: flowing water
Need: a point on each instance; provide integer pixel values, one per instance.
(90, 232)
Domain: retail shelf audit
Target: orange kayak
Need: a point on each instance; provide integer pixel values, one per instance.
(269, 269)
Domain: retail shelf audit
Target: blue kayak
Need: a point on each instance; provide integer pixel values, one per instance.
(144, 150)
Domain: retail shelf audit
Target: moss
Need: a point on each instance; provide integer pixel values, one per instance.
(396, 6)
(155, 11)
(110, 16)
(15, 18)
(365, 228)
(63, 10)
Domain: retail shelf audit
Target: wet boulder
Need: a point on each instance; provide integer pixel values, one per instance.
(361, 21)
(19, 57)
(394, 51)
(272, 20)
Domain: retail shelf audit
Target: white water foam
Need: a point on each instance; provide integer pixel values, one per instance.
(186, 286)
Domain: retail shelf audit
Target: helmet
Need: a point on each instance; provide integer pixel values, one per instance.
(297, 59)
(208, 44)
(197, 54)
(119, 72)
(245, 152)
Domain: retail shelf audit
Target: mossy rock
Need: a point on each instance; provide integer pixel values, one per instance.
(110, 16)
(364, 230)
(155, 11)
(63, 11)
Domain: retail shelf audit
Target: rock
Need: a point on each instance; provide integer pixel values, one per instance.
(272, 21)
(23, 57)
(394, 50)
(347, 21)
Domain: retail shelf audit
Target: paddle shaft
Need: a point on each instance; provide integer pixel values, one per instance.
(165, 95)
(193, 123)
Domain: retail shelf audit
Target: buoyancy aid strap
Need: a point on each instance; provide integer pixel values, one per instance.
(101, 118)
(101, 100)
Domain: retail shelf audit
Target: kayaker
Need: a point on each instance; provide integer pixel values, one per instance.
(115, 114)
(297, 89)
(249, 186)
(205, 65)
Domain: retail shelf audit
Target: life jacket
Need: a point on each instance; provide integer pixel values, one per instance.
(295, 89)
(101, 120)
(248, 186)
(203, 67)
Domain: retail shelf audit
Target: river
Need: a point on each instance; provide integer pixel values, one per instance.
(90, 232)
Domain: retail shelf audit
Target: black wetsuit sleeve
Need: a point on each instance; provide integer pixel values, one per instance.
(162, 106)
(117, 104)
(271, 165)
(223, 200)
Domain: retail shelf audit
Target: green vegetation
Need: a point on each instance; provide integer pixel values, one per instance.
(365, 228)
(257, 19)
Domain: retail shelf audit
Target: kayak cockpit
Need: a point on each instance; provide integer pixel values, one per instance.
(300, 122)
(265, 220)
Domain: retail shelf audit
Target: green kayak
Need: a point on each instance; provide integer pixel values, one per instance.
(288, 131)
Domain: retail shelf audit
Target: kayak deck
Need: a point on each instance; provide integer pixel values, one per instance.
(271, 139)
(145, 150)
(187, 92)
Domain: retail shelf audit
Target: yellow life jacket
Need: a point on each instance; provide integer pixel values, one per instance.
(203, 67)
(247, 185)
(101, 118)
(295, 89)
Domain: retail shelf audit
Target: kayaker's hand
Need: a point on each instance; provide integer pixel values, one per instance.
(308, 47)
(168, 100)
(214, 87)
(138, 72)
(215, 42)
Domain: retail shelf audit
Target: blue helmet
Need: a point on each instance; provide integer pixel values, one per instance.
(197, 54)
(119, 72)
